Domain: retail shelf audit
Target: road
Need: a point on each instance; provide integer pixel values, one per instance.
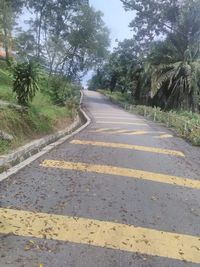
(123, 192)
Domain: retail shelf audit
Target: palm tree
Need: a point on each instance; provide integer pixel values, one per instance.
(176, 63)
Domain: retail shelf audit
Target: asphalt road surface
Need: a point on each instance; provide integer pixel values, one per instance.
(124, 192)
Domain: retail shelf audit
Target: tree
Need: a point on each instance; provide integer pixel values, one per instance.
(8, 12)
(71, 37)
(83, 45)
(24, 45)
(175, 80)
(173, 72)
(153, 17)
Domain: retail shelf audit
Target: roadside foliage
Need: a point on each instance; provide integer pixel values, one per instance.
(42, 62)
(160, 65)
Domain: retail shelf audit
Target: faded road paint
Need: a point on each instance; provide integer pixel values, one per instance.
(135, 174)
(164, 136)
(124, 132)
(132, 147)
(117, 122)
(100, 233)
(118, 118)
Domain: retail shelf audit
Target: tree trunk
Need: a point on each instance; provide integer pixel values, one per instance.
(39, 29)
(6, 26)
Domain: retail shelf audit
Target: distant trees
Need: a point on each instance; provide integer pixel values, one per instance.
(67, 38)
(8, 12)
(161, 64)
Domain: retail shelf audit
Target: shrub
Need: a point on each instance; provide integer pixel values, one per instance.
(25, 81)
(61, 91)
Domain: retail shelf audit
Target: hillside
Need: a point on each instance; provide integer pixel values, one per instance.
(42, 117)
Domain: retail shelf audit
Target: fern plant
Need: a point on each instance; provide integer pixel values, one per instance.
(25, 81)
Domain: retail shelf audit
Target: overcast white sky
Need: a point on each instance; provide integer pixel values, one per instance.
(116, 19)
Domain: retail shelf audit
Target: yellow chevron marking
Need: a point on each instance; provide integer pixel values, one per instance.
(125, 132)
(164, 136)
(132, 147)
(118, 131)
(119, 118)
(127, 123)
(102, 130)
(100, 234)
(109, 114)
(131, 173)
(137, 133)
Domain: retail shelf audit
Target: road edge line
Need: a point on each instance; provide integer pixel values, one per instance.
(43, 149)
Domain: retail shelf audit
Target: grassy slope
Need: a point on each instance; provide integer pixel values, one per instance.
(41, 118)
(118, 96)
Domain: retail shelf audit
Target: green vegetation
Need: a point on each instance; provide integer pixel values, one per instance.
(160, 65)
(185, 124)
(25, 84)
(41, 117)
(6, 86)
(117, 96)
(42, 66)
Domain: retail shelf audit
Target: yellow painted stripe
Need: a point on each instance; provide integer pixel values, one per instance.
(101, 234)
(132, 147)
(117, 122)
(143, 132)
(137, 133)
(164, 136)
(109, 114)
(118, 118)
(102, 130)
(132, 173)
(124, 132)
(118, 131)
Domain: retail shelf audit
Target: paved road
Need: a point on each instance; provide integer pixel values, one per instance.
(124, 192)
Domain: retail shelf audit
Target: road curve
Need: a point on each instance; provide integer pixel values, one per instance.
(123, 192)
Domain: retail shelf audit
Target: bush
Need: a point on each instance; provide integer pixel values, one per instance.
(61, 91)
(25, 81)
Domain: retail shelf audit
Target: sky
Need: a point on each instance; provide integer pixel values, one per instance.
(116, 19)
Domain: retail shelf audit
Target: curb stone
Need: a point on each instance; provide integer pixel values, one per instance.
(28, 153)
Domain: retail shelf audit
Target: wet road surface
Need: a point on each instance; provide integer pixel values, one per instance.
(124, 192)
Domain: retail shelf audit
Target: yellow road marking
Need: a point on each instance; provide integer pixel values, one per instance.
(116, 122)
(109, 131)
(164, 136)
(109, 114)
(118, 131)
(137, 133)
(119, 118)
(102, 130)
(132, 173)
(101, 234)
(133, 147)
(125, 132)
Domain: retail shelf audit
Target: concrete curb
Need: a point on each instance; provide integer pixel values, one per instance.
(32, 151)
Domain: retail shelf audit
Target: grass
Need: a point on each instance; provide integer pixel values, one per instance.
(118, 96)
(42, 117)
(5, 86)
(185, 124)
